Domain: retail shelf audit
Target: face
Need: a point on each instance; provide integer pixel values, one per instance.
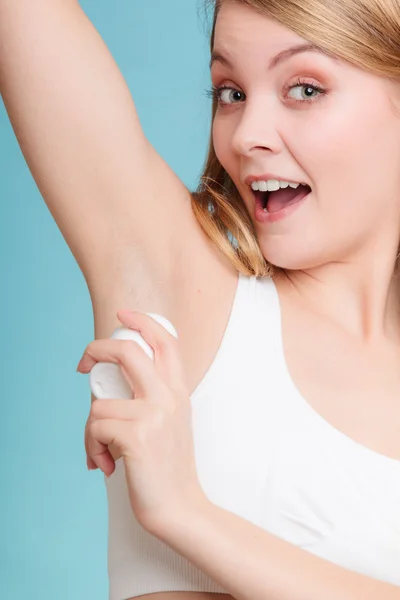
(343, 141)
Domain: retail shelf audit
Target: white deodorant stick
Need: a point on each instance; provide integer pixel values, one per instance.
(106, 379)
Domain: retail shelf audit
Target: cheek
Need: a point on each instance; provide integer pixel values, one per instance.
(322, 146)
(343, 143)
(344, 152)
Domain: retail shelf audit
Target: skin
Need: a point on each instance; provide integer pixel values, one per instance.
(338, 252)
(213, 538)
(339, 248)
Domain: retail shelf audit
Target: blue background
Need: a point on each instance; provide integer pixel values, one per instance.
(53, 512)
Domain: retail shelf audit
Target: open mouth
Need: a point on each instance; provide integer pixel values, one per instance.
(273, 202)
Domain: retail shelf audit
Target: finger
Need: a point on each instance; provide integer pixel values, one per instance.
(122, 410)
(91, 465)
(106, 432)
(112, 454)
(166, 347)
(136, 366)
(89, 462)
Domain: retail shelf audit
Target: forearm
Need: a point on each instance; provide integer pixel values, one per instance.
(252, 564)
(36, 39)
(34, 34)
(9, 7)
(13, 14)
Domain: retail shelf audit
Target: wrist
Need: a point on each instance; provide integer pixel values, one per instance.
(173, 525)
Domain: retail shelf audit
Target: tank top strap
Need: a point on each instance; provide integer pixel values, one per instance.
(251, 330)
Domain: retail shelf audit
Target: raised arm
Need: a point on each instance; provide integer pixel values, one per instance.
(78, 129)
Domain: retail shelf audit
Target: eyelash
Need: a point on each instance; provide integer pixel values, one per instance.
(215, 92)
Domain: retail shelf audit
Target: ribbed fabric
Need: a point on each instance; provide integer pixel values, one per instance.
(262, 452)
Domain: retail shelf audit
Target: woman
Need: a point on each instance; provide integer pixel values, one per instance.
(292, 366)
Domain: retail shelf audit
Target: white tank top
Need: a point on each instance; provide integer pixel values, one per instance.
(265, 454)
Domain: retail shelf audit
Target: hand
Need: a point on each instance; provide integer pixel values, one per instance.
(153, 431)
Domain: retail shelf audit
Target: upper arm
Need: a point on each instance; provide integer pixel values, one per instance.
(105, 185)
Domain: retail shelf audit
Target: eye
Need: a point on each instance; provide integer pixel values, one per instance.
(225, 95)
(228, 95)
(308, 92)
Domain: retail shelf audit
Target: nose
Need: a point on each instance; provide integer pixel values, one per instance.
(255, 130)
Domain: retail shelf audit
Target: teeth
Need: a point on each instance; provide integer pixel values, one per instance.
(271, 185)
(263, 186)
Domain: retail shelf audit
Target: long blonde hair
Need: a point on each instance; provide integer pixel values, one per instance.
(365, 33)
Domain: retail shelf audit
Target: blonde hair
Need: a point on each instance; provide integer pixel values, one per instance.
(365, 33)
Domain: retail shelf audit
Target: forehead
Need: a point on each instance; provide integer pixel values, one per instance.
(238, 24)
(243, 35)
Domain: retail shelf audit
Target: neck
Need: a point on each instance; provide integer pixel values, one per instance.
(361, 296)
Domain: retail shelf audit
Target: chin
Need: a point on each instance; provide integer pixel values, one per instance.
(291, 258)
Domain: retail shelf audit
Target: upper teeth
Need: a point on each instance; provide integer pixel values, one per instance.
(272, 185)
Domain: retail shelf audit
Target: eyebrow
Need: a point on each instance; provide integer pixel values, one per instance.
(279, 58)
